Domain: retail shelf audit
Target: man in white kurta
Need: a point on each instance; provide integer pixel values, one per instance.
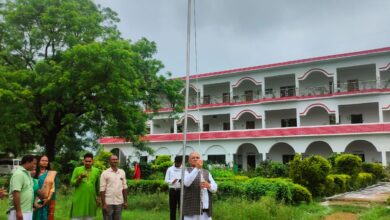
(196, 179)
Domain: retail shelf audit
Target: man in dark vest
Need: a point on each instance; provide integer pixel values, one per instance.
(198, 186)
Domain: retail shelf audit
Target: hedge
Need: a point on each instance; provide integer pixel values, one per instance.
(337, 183)
(280, 189)
(364, 180)
(374, 168)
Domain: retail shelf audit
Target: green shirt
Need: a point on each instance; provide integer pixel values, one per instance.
(84, 197)
(22, 182)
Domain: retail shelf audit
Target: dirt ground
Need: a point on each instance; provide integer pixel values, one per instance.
(342, 216)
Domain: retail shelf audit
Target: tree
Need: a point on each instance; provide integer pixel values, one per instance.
(66, 73)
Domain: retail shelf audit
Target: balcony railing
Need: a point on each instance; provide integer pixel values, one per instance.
(325, 90)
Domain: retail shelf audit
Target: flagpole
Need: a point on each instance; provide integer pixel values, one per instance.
(185, 108)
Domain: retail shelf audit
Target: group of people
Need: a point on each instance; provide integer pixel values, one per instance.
(198, 186)
(32, 190)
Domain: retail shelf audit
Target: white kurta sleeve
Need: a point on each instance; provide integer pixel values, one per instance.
(190, 177)
(213, 185)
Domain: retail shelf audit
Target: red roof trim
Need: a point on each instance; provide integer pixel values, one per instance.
(316, 105)
(246, 78)
(290, 63)
(385, 67)
(262, 133)
(305, 75)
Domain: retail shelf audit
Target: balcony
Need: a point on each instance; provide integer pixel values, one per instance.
(329, 130)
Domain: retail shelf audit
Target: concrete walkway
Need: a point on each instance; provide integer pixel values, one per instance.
(375, 193)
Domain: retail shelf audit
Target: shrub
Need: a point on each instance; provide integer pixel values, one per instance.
(311, 173)
(374, 168)
(280, 189)
(232, 178)
(337, 183)
(101, 160)
(272, 169)
(222, 173)
(349, 164)
(162, 163)
(364, 180)
(146, 170)
(156, 176)
(230, 189)
(146, 186)
(301, 194)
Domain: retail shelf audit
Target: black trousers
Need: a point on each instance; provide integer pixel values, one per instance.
(174, 202)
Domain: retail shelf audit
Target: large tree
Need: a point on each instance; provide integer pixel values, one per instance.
(66, 73)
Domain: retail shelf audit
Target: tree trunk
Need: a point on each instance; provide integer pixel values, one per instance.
(50, 149)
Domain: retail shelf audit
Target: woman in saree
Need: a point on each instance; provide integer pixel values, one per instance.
(47, 182)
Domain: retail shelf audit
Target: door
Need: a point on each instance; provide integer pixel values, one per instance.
(251, 162)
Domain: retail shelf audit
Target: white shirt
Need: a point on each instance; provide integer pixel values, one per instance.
(113, 183)
(190, 177)
(172, 174)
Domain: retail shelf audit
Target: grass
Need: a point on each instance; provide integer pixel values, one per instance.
(155, 207)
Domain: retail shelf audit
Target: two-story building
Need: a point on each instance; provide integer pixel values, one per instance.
(338, 103)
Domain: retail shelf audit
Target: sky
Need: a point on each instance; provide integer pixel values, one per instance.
(242, 33)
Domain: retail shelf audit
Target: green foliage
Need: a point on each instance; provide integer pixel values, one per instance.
(301, 194)
(66, 73)
(311, 173)
(337, 183)
(146, 186)
(100, 161)
(232, 178)
(349, 164)
(231, 189)
(364, 180)
(376, 169)
(146, 170)
(222, 173)
(162, 163)
(271, 169)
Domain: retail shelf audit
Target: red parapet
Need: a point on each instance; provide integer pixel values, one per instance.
(262, 133)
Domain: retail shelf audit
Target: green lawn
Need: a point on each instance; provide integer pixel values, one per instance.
(155, 207)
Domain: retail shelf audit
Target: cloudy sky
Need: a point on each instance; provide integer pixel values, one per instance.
(242, 33)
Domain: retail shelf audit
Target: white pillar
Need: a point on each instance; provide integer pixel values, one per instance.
(231, 122)
(384, 158)
(298, 118)
(380, 114)
(335, 83)
(263, 120)
(151, 127)
(378, 77)
(231, 93)
(337, 116)
(175, 126)
(264, 156)
(229, 159)
(297, 93)
(263, 88)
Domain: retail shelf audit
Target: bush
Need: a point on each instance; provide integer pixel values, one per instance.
(146, 170)
(162, 163)
(301, 194)
(311, 173)
(222, 173)
(364, 180)
(272, 169)
(230, 189)
(376, 169)
(337, 183)
(280, 189)
(232, 178)
(349, 164)
(146, 186)
(101, 160)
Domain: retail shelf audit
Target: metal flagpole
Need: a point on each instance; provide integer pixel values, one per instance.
(185, 108)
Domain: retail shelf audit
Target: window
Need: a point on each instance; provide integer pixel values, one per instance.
(286, 91)
(225, 97)
(206, 127)
(216, 159)
(179, 128)
(287, 158)
(357, 119)
(226, 126)
(290, 122)
(330, 87)
(361, 156)
(353, 85)
(249, 95)
(206, 99)
(148, 130)
(269, 92)
(332, 119)
(172, 129)
(250, 125)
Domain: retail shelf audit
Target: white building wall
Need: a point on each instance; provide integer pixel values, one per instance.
(369, 111)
